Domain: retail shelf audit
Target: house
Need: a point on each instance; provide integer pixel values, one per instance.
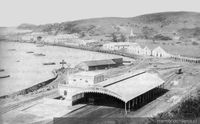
(100, 64)
(147, 51)
(160, 52)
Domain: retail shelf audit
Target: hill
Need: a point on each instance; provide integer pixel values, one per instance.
(167, 23)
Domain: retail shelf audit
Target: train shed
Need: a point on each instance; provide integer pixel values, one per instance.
(131, 90)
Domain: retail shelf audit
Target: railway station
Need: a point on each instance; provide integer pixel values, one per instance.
(128, 91)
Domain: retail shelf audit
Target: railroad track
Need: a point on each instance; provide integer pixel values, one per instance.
(17, 105)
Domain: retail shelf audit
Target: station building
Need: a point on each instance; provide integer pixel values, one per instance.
(100, 64)
(86, 78)
(129, 90)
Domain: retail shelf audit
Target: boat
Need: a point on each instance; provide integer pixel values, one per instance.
(39, 54)
(1, 70)
(5, 76)
(30, 52)
(49, 63)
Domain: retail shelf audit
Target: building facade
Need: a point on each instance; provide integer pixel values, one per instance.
(160, 52)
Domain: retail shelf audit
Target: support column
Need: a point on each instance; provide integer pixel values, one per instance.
(133, 104)
(129, 105)
(125, 108)
(136, 101)
(141, 99)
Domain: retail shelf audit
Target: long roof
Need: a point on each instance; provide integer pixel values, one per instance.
(127, 86)
(99, 62)
(135, 86)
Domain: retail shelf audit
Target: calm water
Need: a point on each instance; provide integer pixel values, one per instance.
(26, 69)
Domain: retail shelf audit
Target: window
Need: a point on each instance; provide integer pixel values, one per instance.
(74, 80)
(86, 81)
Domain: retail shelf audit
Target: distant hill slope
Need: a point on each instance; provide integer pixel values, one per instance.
(27, 26)
(169, 23)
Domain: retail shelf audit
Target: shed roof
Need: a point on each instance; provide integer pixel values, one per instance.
(136, 86)
(127, 87)
(100, 62)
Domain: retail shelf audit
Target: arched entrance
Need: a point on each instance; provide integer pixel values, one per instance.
(96, 98)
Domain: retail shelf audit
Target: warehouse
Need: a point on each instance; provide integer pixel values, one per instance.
(100, 64)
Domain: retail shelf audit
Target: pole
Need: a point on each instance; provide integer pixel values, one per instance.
(125, 108)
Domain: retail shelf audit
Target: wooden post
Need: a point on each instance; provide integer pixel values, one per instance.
(125, 108)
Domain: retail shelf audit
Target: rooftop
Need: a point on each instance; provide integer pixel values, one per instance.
(135, 86)
(100, 62)
(88, 73)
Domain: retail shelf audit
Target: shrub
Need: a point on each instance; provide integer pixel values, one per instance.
(195, 43)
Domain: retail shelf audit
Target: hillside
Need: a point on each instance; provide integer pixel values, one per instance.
(166, 23)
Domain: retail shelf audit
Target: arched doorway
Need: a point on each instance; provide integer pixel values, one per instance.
(96, 98)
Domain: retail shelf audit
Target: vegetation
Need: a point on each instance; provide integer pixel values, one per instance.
(188, 109)
(161, 37)
(118, 37)
(148, 32)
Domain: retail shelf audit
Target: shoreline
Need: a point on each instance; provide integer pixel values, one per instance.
(64, 46)
(86, 48)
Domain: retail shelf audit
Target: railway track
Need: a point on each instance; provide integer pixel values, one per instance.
(20, 104)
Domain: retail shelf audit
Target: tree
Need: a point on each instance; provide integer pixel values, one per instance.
(148, 32)
(114, 37)
(123, 38)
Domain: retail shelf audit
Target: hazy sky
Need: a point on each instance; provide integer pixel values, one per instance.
(15, 12)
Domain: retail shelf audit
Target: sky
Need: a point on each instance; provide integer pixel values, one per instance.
(15, 12)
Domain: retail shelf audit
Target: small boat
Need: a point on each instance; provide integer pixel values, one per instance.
(39, 54)
(30, 52)
(5, 76)
(49, 63)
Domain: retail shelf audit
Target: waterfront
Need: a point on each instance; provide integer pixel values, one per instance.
(24, 63)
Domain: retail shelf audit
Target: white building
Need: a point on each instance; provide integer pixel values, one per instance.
(134, 49)
(146, 51)
(82, 80)
(118, 45)
(86, 78)
(160, 52)
(28, 38)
